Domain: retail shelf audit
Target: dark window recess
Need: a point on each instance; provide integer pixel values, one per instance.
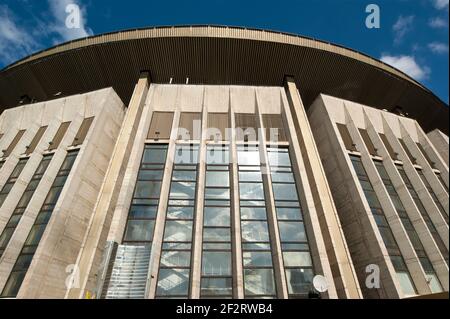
(408, 153)
(218, 125)
(273, 123)
(160, 126)
(190, 126)
(346, 137)
(53, 145)
(366, 138)
(13, 144)
(36, 140)
(31, 244)
(388, 146)
(246, 127)
(83, 131)
(18, 212)
(424, 153)
(12, 179)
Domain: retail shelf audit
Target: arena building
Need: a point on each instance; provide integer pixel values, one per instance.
(219, 162)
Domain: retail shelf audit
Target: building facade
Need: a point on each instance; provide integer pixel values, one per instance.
(219, 186)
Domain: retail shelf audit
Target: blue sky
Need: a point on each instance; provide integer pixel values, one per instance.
(413, 34)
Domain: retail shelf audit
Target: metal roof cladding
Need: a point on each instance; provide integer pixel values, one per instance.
(218, 55)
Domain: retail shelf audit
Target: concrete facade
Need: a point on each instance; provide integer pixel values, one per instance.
(85, 250)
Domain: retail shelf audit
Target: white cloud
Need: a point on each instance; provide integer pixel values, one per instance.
(15, 42)
(438, 23)
(441, 4)
(402, 27)
(58, 10)
(438, 47)
(408, 65)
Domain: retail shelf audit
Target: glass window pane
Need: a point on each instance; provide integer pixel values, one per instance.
(259, 282)
(178, 231)
(255, 246)
(216, 263)
(257, 259)
(182, 190)
(299, 281)
(153, 155)
(248, 157)
(297, 259)
(289, 213)
(13, 284)
(253, 213)
(216, 216)
(217, 193)
(250, 176)
(216, 286)
(406, 283)
(292, 231)
(186, 155)
(35, 235)
(6, 235)
(174, 259)
(217, 155)
(147, 189)
(149, 175)
(173, 282)
(282, 177)
(217, 179)
(180, 212)
(216, 234)
(285, 191)
(184, 175)
(138, 212)
(254, 231)
(251, 191)
(139, 230)
(279, 159)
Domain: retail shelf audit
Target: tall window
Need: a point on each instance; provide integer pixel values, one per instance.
(426, 217)
(256, 248)
(433, 195)
(439, 176)
(12, 179)
(23, 203)
(217, 280)
(32, 242)
(144, 206)
(397, 260)
(410, 231)
(175, 263)
(294, 242)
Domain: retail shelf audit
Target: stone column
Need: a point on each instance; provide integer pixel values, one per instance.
(92, 245)
(337, 250)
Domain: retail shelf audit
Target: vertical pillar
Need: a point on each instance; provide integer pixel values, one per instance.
(238, 269)
(338, 254)
(91, 245)
(197, 236)
(158, 233)
(277, 255)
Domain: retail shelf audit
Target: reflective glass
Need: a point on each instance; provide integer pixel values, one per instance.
(285, 191)
(174, 259)
(259, 282)
(257, 259)
(182, 190)
(297, 259)
(139, 230)
(173, 282)
(216, 234)
(251, 191)
(216, 216)
(178, 231)
(254, 231)
(299, 281)
(216, 263)
(217, 179)
(292, 231)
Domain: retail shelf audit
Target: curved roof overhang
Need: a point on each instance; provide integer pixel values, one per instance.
(218, 55)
